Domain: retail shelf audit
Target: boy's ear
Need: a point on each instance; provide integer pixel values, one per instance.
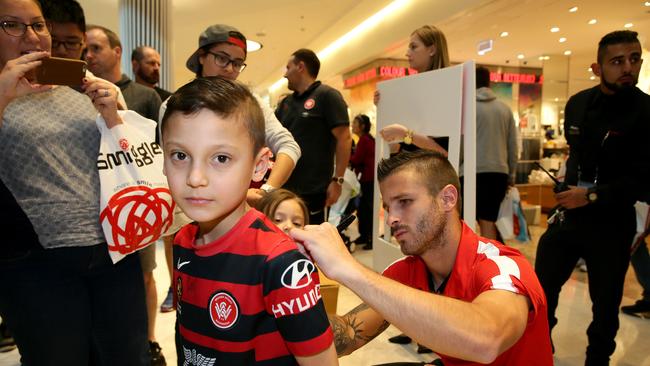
(262, 163)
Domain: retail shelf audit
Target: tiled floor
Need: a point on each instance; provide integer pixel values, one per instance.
(574, 314)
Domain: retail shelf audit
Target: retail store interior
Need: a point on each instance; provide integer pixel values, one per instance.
(539, 54)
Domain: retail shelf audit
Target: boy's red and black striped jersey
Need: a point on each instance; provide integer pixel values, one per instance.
(248, 298)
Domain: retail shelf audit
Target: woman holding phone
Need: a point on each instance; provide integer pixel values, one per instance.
(64, 300)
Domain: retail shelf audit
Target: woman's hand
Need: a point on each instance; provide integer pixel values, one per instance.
(14, 81)
(104, 97)
(393, 133)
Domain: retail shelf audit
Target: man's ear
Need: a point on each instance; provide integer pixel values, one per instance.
(118, 52)
(595, 68)
(448, 197)
(262, 163)
(135, 66)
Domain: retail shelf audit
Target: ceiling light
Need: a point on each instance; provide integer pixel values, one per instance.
(504, 34)
(555, 29)
(628, 25)
(592, 78)
(481, 53)
(592, 22)
(567, 52)
(252, 46)
(562, 39)
(546, 58)
(557, 99)
(573, 10)
(589, 69)
(647, 3)
(520, 56)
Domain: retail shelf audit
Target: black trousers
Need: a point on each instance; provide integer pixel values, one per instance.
(603, 238)
(74, 307)
(365, 210)
(316, 205)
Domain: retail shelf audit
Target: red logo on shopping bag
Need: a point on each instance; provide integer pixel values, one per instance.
(137, 216)
(124, 144)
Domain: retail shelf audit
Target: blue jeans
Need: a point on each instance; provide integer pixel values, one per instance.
(72, 306)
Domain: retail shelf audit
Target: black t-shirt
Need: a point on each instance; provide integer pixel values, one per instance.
(310, 117)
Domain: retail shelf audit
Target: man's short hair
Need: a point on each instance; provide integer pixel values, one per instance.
(615, 37)
(138, 53)
(64, 11)
(309, 58)
(113, 39)
(482, 77)
(225, 98)
(434, 169)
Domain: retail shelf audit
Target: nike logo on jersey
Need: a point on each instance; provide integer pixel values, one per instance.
(181, 264)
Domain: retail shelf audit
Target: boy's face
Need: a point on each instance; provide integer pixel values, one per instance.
(209, 163)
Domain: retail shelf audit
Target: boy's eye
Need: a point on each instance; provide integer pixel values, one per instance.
(222, 159)
(178, 155)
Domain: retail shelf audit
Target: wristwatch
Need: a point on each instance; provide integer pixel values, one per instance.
(408, 139)
(592, 195)
(267, 188)
(338, 180)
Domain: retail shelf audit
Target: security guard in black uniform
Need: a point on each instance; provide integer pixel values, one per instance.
(607, 128)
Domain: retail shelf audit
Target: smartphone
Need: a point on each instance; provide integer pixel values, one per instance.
(60, 71)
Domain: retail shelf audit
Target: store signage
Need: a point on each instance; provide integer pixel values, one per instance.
(383, 72)
(506, 77)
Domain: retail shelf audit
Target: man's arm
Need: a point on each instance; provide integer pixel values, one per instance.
(356, 328)
(475, 331)
(343, 151)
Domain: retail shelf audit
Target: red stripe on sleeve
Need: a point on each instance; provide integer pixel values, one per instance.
(312, 346)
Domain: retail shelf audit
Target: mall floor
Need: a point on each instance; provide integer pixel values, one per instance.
(633, 340)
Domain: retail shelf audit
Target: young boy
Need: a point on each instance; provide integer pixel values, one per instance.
(245, 295)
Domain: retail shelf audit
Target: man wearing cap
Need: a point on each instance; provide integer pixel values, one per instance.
(222, 52)
(317, 116)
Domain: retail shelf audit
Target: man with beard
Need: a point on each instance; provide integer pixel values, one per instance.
(145, 62)
(607, 128)
(470, 299)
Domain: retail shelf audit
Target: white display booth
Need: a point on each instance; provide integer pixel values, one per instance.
(434, 103)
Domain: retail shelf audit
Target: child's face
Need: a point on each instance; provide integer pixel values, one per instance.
(209, 163)
(289, 215)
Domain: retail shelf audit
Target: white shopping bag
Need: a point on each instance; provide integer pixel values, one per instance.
(136, 207)
(511, 222)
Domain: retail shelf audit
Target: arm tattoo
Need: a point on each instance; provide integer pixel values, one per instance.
(350, 332)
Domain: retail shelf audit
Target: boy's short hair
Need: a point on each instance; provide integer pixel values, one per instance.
(64, 11)
(269, 202)
(223, 97)
(434, 169)
(615, 37)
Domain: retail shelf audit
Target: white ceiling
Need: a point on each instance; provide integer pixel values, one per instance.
(286, 25)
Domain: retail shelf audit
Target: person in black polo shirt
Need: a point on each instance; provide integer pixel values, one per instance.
(317, 116)
(607, 171)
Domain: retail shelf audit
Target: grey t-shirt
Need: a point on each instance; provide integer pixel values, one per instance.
(49, 144)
